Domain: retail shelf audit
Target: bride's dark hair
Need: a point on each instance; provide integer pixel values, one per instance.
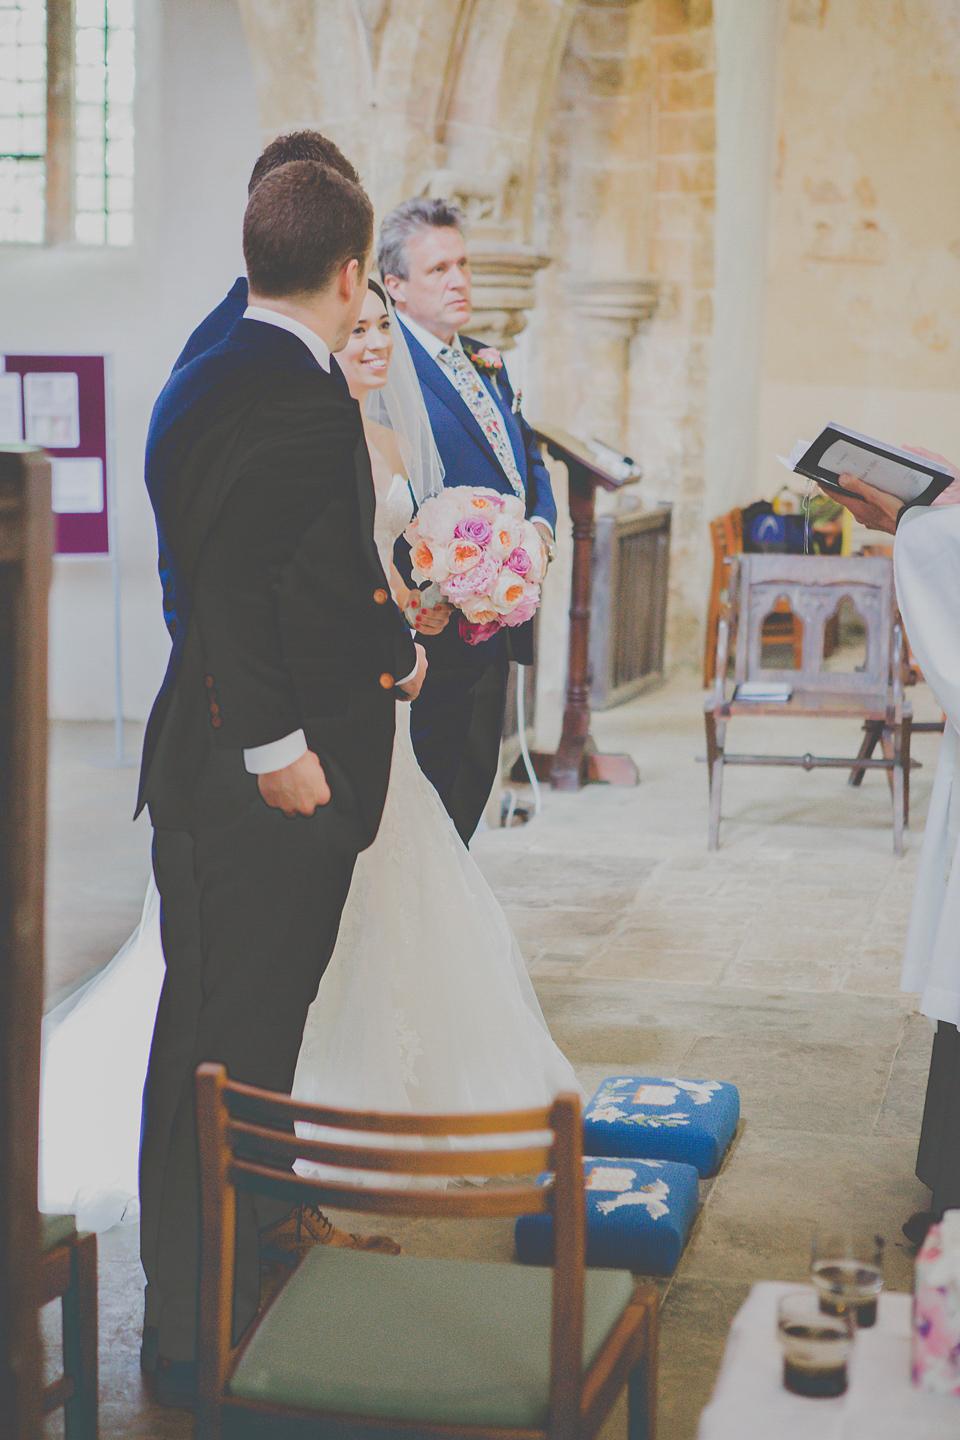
(372, 285)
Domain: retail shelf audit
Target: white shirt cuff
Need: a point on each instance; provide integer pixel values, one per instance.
(407, 678)
(264, 759)
(539, 520)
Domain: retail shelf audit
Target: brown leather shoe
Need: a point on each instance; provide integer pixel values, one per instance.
(289, 1239)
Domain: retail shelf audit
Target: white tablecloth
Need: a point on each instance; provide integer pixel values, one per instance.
(750, 1403)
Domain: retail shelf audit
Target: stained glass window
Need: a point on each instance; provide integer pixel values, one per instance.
(23, 119)
(96, 108)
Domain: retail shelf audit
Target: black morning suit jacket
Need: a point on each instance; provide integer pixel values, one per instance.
(260, 479)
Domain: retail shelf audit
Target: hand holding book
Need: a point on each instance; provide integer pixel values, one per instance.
(875, 481)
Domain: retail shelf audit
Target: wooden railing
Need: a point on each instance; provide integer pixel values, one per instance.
(26, 546)
(628, 612)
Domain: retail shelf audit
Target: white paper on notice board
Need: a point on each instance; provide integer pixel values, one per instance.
(11, 408)
(51, 403)
(77, 484)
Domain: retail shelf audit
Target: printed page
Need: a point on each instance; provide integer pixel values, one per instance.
(844, 457)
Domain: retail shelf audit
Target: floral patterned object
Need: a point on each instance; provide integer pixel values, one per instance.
(639, 1216)
(480, 554)
(690, 1121)
(936, 1309)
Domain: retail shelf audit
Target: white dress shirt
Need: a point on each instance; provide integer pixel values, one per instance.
(433, 347)
(278, 754)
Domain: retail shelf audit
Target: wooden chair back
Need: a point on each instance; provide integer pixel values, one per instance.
(247, 1142)
(813, 586)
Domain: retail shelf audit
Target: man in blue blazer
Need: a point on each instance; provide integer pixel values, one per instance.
(483, 442)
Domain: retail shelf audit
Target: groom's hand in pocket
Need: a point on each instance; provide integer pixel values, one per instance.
(297, 789)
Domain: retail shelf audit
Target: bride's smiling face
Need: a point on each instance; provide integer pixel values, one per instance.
(365, 359)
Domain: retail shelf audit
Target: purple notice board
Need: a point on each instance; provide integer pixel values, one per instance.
(84, 530)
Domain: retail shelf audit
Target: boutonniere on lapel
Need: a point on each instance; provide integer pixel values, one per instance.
(488, 361)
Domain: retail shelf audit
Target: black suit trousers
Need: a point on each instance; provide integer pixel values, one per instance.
(250, 912)
(455, 724)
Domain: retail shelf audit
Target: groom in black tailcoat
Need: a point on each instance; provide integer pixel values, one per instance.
(267, 753)
(484, 441)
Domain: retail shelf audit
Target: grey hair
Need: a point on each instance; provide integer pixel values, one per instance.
(404, 221)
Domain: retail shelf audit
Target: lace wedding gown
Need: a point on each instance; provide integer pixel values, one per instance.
(426, 1004)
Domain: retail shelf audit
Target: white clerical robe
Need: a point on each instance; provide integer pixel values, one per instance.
(926, 558)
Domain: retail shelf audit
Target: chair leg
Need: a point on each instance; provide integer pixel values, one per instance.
(710, 725)
(872, 731)
(716, 786)
(642, 1400)
(79, 1306)
(905, 734)
(896, 781)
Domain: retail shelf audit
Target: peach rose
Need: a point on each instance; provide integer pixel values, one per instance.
(507, 535)
(461, 555)
(508, 592)
(479, 611)
(429, 563)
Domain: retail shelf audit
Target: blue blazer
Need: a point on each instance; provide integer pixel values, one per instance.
(469, 459)
(217, 325)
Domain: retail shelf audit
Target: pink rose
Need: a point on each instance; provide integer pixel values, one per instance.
(519, 561)
(478, 530)
(476, 634)
(489, 355)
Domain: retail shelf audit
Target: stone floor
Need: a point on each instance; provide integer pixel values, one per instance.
(772, 963)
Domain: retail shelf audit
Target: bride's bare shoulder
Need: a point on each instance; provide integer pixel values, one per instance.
(384, 440)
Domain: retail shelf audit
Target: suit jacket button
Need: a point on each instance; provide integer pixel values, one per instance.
(386, 681)
(381, 597)
(216, 722)
(208, 681)
(214, 708)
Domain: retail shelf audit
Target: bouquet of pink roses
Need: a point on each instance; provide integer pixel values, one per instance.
(481, 554)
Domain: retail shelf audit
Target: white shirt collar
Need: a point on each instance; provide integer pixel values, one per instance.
(427, 339)
(318, 348)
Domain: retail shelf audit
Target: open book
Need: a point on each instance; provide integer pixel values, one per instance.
(838, 451)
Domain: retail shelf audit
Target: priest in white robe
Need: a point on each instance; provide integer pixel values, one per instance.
(926, 559)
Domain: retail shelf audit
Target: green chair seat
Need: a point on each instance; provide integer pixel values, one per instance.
(451, 1341)
(54, 1229)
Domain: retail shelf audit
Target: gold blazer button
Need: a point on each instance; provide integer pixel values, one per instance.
(381, 597)
(386, 681)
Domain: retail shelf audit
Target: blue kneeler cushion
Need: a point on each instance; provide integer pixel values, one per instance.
(639, 1214)
(644, 1116)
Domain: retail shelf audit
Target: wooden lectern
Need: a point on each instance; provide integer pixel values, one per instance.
(26, 548)
(576, 761)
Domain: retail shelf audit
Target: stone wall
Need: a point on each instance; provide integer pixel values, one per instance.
(863, 301)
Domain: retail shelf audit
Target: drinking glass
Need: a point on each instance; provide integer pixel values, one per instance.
(847, 1270)
(815, 1346)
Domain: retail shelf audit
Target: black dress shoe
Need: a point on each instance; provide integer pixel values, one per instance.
(176, 1383)
(149, 1349)
(917, 1226)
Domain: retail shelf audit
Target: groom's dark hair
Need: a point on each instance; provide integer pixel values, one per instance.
(303, 223)
(301, 145)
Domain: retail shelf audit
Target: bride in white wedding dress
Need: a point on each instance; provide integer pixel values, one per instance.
(426, 1004)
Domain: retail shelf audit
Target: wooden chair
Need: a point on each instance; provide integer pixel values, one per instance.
(69, 1274)
(814, 586)
(780, 628)
(374, 1345)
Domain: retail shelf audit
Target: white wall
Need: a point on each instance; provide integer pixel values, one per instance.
(197, 138)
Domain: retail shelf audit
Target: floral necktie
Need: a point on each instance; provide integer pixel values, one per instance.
(480, 404)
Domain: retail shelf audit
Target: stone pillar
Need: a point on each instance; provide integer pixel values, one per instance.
(609, 312)
(503, 292)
